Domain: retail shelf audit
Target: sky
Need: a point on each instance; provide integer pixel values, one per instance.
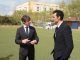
(7, 7)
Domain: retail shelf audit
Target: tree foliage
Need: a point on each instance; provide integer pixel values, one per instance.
(16, 17)
(74, 8)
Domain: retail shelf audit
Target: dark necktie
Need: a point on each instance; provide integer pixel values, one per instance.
(56, 29)
(27, 30)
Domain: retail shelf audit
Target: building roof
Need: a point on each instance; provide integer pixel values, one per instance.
(72, 19)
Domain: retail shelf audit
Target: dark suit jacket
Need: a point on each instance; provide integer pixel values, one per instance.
(63, 42)
(20, 35)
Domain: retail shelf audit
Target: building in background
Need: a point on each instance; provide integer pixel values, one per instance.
(74, 22)
(37, 6)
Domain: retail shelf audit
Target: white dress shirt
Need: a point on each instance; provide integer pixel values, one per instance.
(59, 24)
(25, 28)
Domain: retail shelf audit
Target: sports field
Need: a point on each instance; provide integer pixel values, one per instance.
(9, 50)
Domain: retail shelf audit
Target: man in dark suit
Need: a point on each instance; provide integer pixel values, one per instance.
(26, 37)
(63, 41)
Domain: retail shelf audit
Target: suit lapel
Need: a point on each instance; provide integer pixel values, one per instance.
(23, 31)
(59, 29)
(30, 31)
(61, 26)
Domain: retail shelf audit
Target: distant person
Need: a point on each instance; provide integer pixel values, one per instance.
(26, 37)
(63, 41)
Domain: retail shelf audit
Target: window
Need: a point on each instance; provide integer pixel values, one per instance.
(37, 8)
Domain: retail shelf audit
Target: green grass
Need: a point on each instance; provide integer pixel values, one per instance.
(8, 48)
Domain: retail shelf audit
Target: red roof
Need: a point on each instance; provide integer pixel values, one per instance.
(71, 19)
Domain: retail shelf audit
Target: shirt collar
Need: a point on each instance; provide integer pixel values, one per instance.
(25, 26)
(59, 24)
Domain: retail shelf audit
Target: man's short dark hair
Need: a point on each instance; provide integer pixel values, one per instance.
(59, 13)
(25, 18)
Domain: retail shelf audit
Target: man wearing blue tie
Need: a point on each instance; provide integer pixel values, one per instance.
(63, 41)
(26, 37)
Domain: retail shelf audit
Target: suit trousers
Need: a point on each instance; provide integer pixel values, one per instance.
(25, 53)
(60, 58)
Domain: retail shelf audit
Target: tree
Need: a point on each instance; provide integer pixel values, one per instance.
(74, 9)
(35, 16)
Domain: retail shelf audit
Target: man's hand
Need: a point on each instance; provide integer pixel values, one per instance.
(33, 42)
(25, 41)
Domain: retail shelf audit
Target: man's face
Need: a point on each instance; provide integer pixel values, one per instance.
(27, 23)
(55, 19)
